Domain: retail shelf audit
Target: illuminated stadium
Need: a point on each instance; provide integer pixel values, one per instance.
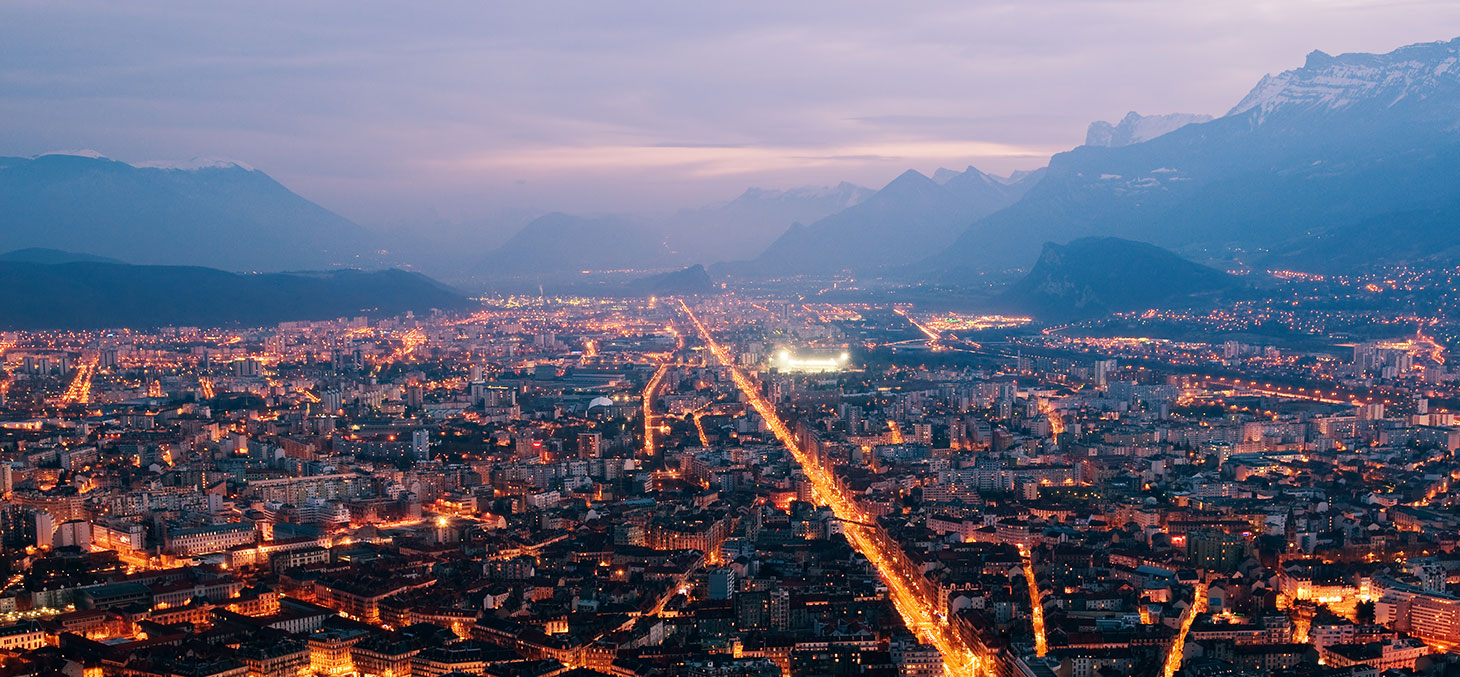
(809, 362)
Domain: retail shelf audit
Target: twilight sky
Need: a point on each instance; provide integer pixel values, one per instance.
(410, 112)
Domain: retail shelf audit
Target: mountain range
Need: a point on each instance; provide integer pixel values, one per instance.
(1345, 145)
(1341, 150)
(82, 294)
(1099, 275)
(1344, 162)
(899, 224)
(557, 244)
(691, 281)
(1137, 128)
(52, 256)
(219, 214)
(231, 216)
(742, 228)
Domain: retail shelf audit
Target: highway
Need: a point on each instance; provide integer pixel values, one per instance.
(79, 391)
(1285, 387)
(1280, 390)
(409, 342)
(649, 391)
(652, 388)
(907, 589)
(932, 335)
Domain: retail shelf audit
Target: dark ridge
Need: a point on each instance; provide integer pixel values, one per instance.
(1096, 276)
(224, 217)
(691, 281)
(52, 256)
(89, 295)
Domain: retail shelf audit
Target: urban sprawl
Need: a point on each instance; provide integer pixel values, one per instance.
(725, 486)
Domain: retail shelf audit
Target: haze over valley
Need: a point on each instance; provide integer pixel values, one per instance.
(1353, 147)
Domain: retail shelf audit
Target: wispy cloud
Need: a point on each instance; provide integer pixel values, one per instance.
(729, 160)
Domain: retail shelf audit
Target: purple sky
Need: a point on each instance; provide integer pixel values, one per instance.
(391, 112)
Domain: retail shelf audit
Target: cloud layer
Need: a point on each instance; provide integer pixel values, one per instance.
(390, 111)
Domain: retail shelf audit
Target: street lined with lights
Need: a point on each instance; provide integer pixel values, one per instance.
(1036, 617)
(79, 391)
(649, 392)
(1178, 645)
(908, 591)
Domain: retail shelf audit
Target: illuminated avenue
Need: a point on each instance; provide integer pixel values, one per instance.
(1175, 655)
(905, 585)
(1036, 605)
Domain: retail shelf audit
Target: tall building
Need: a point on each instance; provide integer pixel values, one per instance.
(590, 445)
(247, 368)
(17, 527)
(1428, 615)
(780, 609)
(45, 529)
(1215, 550)
(722, 583)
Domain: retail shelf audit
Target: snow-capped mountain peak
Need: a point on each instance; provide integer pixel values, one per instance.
(1327, 82)
(1137, 128)
(84, 152)
(197, 162)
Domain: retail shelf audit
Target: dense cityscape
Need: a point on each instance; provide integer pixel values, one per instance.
(721, 485)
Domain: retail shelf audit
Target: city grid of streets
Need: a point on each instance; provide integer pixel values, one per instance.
(642, 487)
